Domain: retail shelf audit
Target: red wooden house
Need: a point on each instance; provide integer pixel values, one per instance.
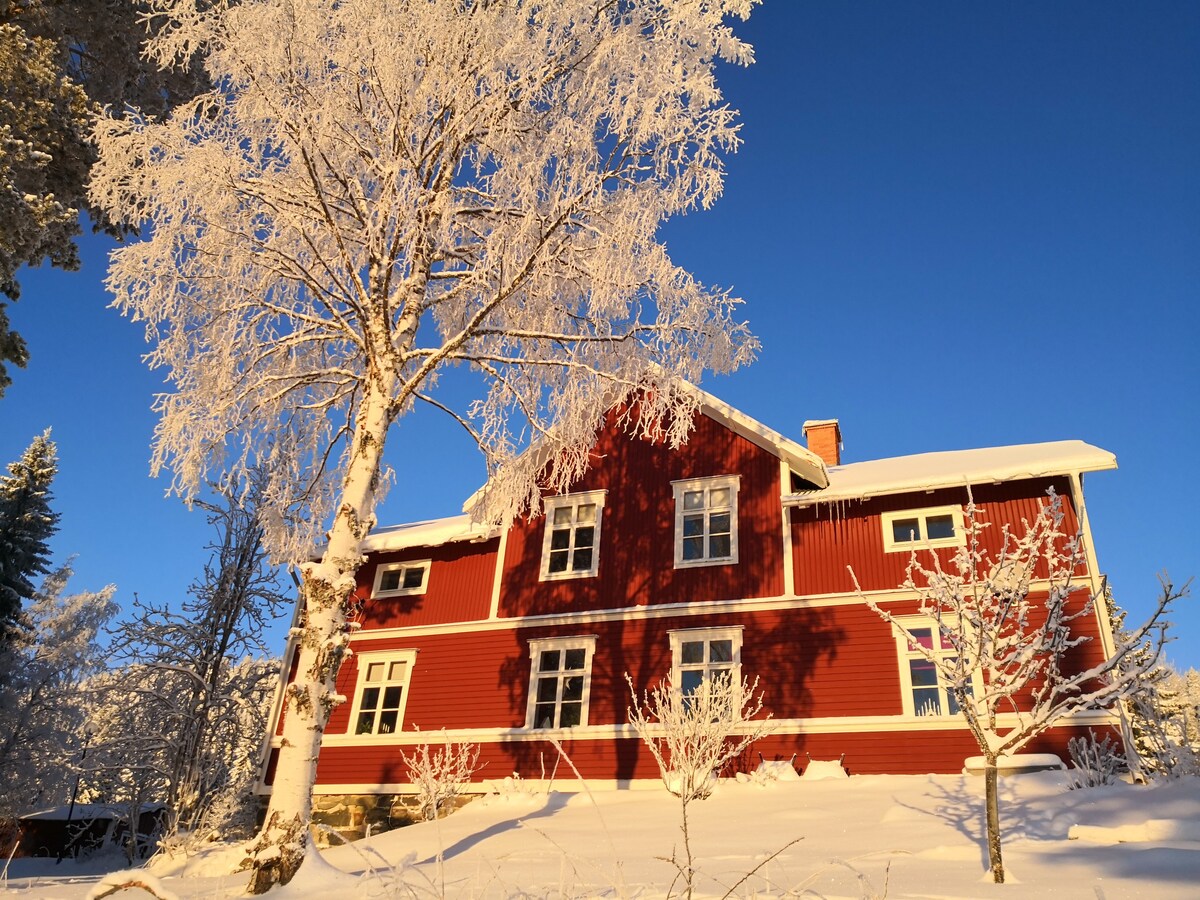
(728, 554)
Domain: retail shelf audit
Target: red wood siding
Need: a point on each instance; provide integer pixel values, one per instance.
(862, 753)
(823, 662)
(637, 535)
(811, 663)
(459, 587)
(829, 537)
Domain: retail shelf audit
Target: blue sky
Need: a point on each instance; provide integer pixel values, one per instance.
(954, 225)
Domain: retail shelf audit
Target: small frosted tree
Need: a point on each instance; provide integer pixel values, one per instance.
(181, 662)
(1013, 619)
(42, 707)
(379, 190)
(693, 735)
(1158, 721)
(26, 525)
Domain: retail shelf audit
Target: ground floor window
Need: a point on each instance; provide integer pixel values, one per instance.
(560, 681)
(382, 691)
(924, 691)
(702, 654)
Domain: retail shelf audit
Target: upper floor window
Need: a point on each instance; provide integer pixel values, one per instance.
(924, 691)
(396, 579)
(560, 681)
(912, 529)
(571, 545)
(702, 654)
(382, 691)
(706, 525)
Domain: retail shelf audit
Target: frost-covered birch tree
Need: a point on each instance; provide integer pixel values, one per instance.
(376, 190)
(1014, 620)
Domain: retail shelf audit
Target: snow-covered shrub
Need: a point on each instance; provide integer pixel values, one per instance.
(770, 771)
(441, 775)
(1094, 762)
(692, 736)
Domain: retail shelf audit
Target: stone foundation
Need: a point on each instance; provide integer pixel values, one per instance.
(354, 816)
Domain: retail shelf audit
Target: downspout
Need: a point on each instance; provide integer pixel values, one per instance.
(1103, 610)
(789, 573)
(1095, 580)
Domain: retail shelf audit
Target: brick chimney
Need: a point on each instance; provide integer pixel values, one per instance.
(824, 439)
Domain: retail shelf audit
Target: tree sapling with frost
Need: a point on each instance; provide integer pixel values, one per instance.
(380, 190)
(1013, 619)
(187, 710)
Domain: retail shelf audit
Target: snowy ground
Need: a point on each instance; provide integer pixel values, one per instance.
(868, 836)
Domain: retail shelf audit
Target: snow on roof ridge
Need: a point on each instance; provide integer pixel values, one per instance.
(802, 461)
(951, 468)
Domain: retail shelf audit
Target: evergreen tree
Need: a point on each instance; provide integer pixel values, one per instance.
(26, 525)
(61, 62)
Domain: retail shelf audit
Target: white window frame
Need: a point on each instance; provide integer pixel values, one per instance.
(684, 487)
(572, 501)
(891, 545)
(425, 565)
(681, 636)
(365, 660)
(905, 654)
(585, 642)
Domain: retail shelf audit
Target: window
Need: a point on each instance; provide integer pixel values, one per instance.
(701, 654)
(382, 691)
(706, 521)
(924, 692)
(571, 546)
(913, 529)
(560, 682)
(402, 578)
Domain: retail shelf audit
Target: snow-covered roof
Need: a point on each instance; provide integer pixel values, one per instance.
(929, 471)
(432, 533)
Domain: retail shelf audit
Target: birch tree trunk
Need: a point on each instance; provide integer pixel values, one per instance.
(278, 850)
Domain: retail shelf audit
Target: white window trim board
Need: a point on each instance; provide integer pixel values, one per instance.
(363, 659)
(904, 653)
(680, 636)
(890, 545)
